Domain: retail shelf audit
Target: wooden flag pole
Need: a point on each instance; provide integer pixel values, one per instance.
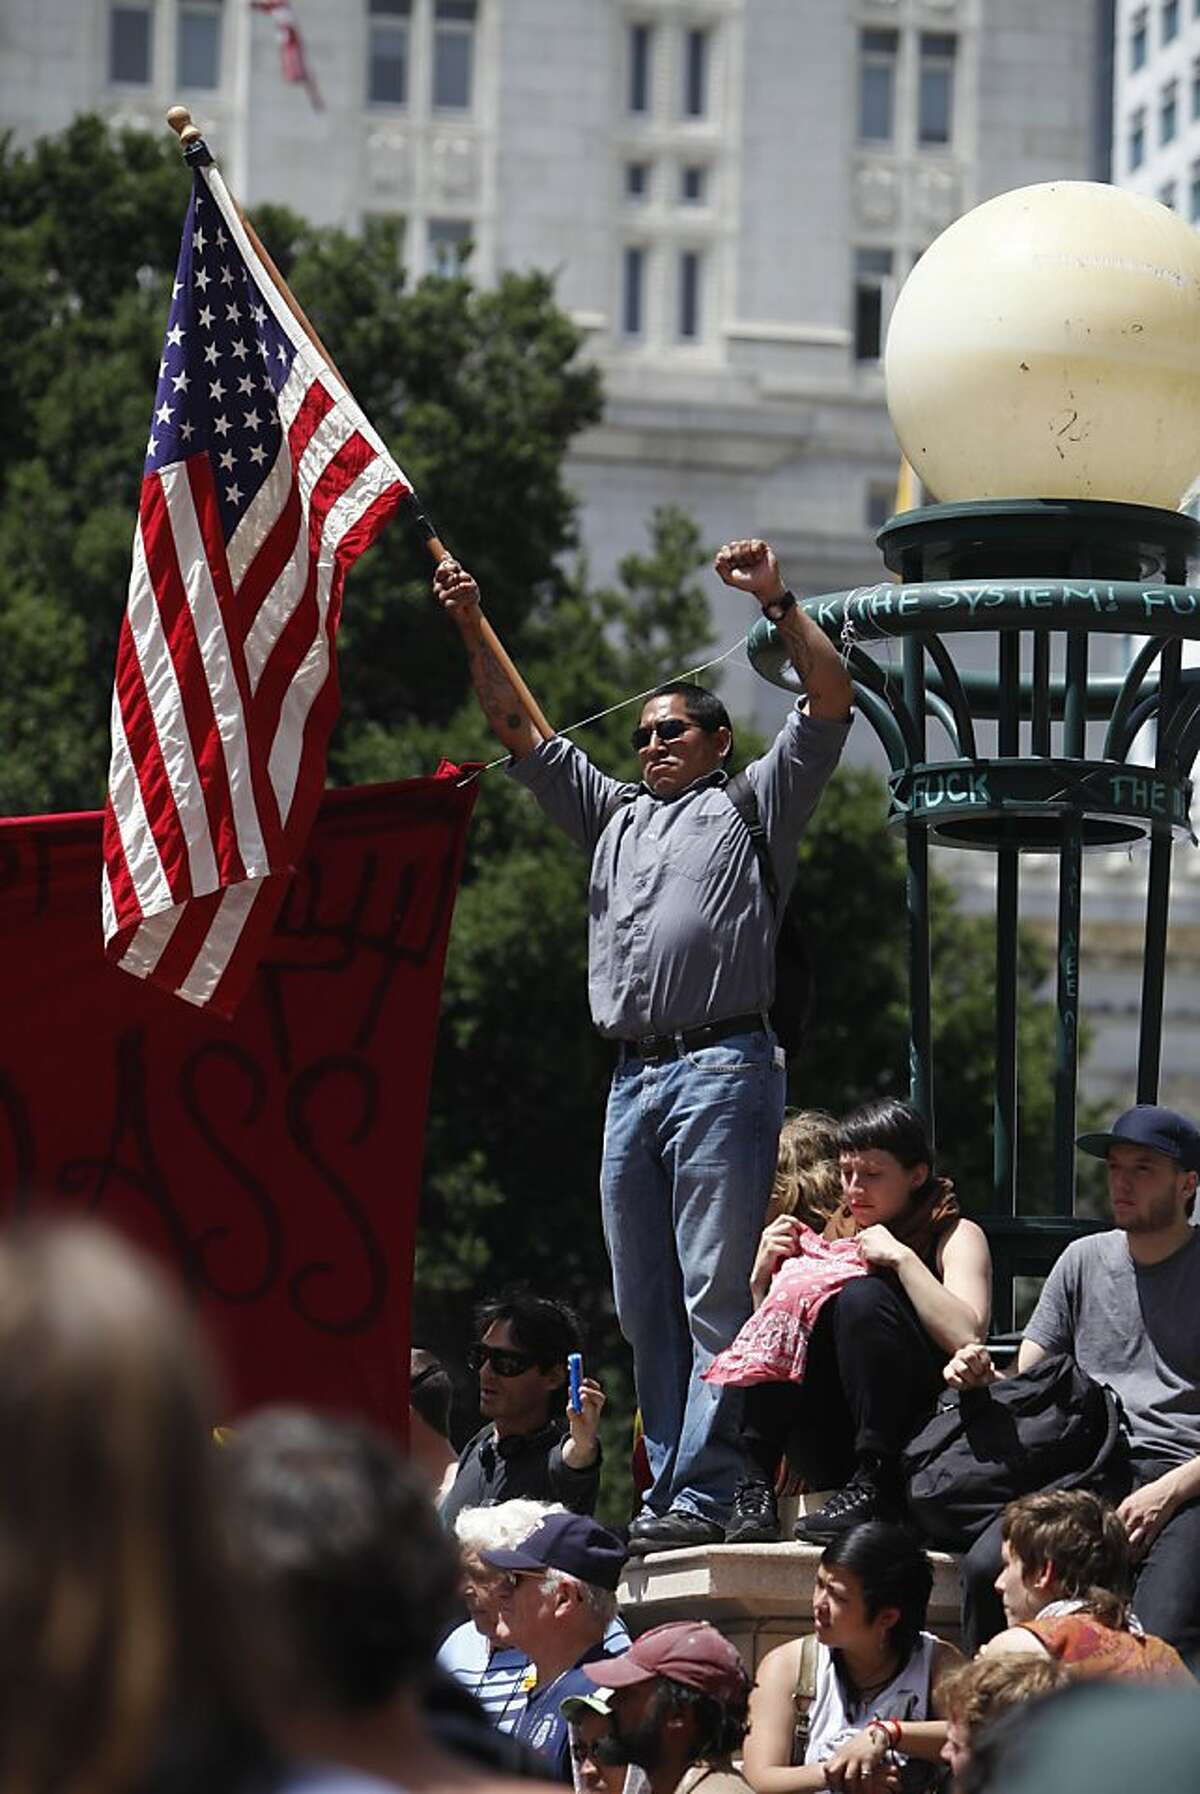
(181, 122)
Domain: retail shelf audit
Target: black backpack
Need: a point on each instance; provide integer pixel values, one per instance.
(792, 1010)
(1051, 1427)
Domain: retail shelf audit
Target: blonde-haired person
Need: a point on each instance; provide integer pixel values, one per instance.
(977, 1694)
(808, 1178)
(121, 1663)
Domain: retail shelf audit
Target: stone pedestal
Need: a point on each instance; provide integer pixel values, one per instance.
(758, 1595)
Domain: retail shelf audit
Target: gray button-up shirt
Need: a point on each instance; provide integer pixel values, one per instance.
(681, 930)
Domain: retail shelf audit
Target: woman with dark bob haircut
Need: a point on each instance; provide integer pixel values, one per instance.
(864, 1707)
(916, 1286)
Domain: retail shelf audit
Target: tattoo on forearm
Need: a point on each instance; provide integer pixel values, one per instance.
(494, 689)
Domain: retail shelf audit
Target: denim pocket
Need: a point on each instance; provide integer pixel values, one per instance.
(742, 1053)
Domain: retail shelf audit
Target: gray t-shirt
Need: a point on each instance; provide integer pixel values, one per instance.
(681, 930)
(1134, 1327)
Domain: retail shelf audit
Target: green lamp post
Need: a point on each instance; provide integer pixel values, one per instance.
(1047, 343)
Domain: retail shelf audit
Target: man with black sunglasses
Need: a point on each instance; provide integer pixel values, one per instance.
(531, 1444)
(681, 978)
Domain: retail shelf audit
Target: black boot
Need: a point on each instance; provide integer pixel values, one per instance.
(871, 1494)
(754, 1519)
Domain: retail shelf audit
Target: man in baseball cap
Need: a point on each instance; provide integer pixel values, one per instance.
(1124, 1305)
(558, 1597)
(679, 1699)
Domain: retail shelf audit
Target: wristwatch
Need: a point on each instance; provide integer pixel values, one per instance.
(778, 608)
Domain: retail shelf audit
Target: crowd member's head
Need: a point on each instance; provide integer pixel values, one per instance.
(349, 1574)
(886, 1161)
(872, 1587)
(679, 1695)
(1153, 1159)
(522, 1342)
(430, 1391)
(590, 1717)
(684, 734)
(808, 1180)
(558, 1593)
(1064, 1545)
(1099, 1738)
(118, 1649)
(976, 1695)
(499, 1528)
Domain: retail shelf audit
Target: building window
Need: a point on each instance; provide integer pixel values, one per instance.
(872, 277)
(690, 267)
(198, 49)
(388, 52)
(633, 281)
(695, 73)
(1137, 138)
(1194, 194)
(453, 53)
(637, 180)
(935, 92)
(877, 85)
(130, 44)
(1168, 112)
(449, 241)
(1170, 20)
(1138, 35)
(693, 185)
(1167, 195)
(641, 49)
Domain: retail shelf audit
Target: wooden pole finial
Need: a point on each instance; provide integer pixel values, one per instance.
(180, 121)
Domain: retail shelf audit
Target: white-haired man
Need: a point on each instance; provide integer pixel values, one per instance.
(558, 1598)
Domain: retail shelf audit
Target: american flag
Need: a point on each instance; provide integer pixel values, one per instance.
(263, 483)
(291, 45)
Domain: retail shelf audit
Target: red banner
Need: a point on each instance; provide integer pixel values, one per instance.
(274, 1162)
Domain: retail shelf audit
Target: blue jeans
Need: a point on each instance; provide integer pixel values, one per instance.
(689, 1157)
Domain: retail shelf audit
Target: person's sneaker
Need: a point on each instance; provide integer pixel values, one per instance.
(672, 1531)
(862, 1499)
(754, 1519)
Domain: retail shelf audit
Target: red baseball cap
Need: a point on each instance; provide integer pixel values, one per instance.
(688, 1651)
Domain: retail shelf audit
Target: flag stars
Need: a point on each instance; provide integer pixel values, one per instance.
(211, 354)
(175, 335)
(176, 289)
(205, 316)
(187, 430)
(222, 239)
(258, 453)
(246, 385)
(252, 420)
(221, 426)
(226, 275)
(232, 313)
(180, 381)
(162, 370)
(198, 240)
(164, 414)
(226, 460)
(281, 352)
(233, 494)
(239, 350)
(216, 391)
(259, 314)
(152, 447)
(201, 279)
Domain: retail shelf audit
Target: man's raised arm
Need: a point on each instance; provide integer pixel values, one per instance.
(751, 566)
(457, 593)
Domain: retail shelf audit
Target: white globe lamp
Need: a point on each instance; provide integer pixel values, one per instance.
(1047, 345)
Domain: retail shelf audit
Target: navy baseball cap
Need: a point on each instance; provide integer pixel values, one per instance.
(573, 1543)
(1148, 1125)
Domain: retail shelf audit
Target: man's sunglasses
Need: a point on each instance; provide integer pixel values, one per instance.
(670, 730)
(502, 1361)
